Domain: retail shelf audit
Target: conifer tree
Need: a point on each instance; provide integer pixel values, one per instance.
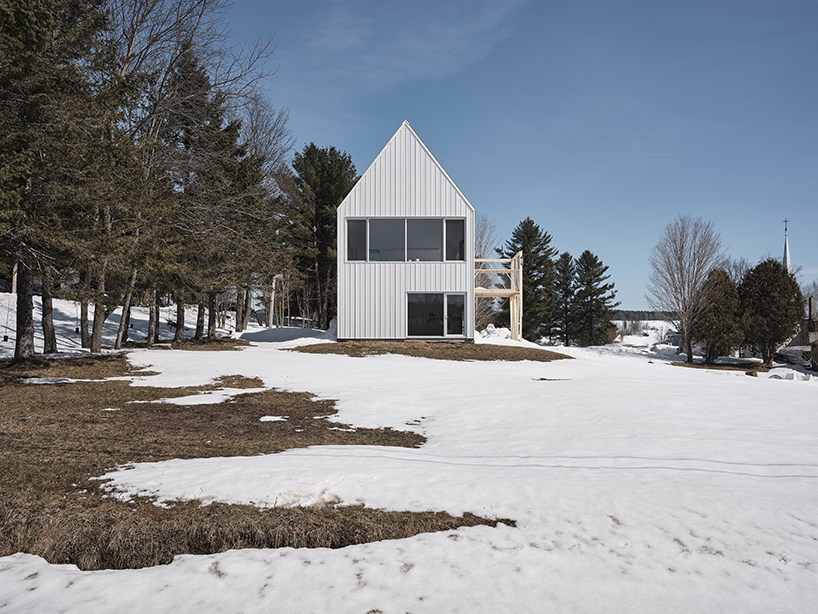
(772, 307)
(719, 326)
(538, 277)
(594, 300)
(564, 290)
(323, 178)
(48, 51)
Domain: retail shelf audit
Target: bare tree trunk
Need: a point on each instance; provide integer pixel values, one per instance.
(24, 344)
(158, 320)
(127, 317)
(180, 320)
(239, 309)
(271, 301)
(86, 290)
(14, 277)
(689, 347)
(124, 321)
(211, 316)
(248, 307)
(319, 298)
(49, 337)
(100, 315)
(200, 321)
(151, 317)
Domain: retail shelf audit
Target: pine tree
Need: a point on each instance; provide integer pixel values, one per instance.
(719, 327)
(594, 301)
(538, 277)
(564, 290)
(323, 178)
(772, 307)
(48, 52)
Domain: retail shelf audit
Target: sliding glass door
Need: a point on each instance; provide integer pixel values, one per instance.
(436, 315)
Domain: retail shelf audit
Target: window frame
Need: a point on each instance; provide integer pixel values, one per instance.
(369, 238)
(446, 334)
(366, 240)
(443, 251)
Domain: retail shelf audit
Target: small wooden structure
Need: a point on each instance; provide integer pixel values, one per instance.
(514, 291)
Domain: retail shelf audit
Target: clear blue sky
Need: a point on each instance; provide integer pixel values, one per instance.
(600, 120)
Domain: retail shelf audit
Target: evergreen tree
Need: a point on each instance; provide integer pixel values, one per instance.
(564, 289)
(772, 307)
(538, 277)
(48, 52)
(594, 301)
(323, 178)
(719, 327)
(214, 188)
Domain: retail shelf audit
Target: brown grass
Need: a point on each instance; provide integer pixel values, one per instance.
(435, 350)
(105, 534)
(747, 367)
(54, 437)
(203, 345)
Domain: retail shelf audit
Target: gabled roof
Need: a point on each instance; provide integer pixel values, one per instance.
(405, 177)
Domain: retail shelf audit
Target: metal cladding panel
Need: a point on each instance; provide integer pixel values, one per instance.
(405, 180)
(372, 295)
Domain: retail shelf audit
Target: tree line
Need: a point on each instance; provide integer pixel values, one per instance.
(566, 300)
(722, 303)
(140, 162)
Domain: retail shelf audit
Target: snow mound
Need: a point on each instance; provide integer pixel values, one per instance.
(492, 332)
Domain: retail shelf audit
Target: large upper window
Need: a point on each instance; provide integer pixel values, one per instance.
(401, 240)
(387, 239)
(424, 240)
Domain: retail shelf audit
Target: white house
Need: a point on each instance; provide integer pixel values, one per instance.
(405, 249)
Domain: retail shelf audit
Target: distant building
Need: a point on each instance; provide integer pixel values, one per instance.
(786, 259)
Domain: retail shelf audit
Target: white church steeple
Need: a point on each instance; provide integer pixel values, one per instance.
(786, 261)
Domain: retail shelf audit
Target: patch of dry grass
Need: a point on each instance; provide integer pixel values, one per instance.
(203, 345)
(435, 350)
(746, 367)
(54, 437)
(95, 533)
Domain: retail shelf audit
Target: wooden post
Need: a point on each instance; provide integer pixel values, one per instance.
(514, 292)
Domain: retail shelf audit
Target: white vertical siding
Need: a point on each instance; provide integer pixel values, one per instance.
(404, 181)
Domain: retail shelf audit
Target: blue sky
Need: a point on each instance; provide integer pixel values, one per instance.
(602, 121)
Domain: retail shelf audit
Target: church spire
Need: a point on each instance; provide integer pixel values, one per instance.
(786, 261)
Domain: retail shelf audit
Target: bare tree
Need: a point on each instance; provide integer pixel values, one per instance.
(680, 263)
(485, 246)
(266, 133)
(149, 41)
(736, 269)
(809, 290)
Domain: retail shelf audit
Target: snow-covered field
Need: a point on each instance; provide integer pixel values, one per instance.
(636, 486)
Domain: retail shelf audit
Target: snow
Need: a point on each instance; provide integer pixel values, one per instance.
(653, 332)
(636, 486)
(46, 380)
